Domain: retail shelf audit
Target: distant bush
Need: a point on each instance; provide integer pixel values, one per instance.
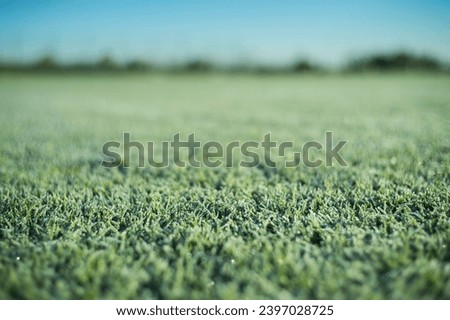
(138, 65)
(106, 63)
(395, 61)
(300, 66)
(197, 66)
(268, 69)
(46, 63)
(304, 66)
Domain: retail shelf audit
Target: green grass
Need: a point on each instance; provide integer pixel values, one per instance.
(377, 229)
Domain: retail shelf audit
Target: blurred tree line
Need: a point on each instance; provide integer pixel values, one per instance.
(400, 61)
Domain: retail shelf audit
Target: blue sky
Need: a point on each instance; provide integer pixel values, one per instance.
(262, 31)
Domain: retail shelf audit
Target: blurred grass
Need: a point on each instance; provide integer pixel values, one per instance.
(376, 229)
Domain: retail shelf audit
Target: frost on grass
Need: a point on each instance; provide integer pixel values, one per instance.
(376, 229)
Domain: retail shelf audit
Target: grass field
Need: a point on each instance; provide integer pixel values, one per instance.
(378, 228)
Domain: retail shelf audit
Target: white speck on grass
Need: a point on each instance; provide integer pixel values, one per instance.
(232, 261)
(211, 284)
(18, 258)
